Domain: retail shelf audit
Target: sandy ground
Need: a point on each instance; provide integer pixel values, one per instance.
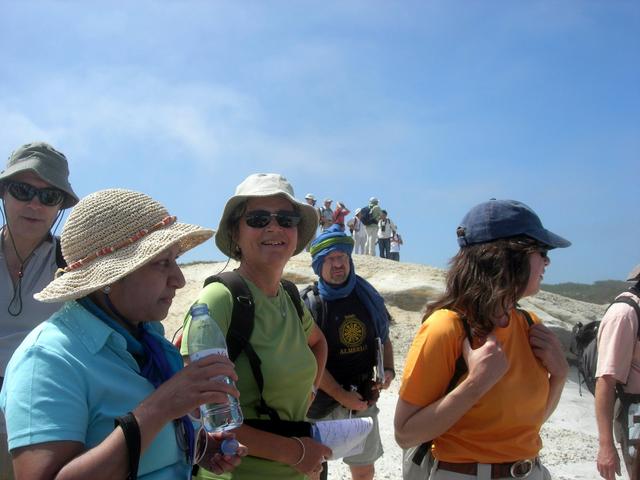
(570, 435)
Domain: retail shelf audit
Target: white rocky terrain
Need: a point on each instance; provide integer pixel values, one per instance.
(570, 437)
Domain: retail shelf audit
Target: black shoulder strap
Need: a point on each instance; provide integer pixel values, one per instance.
(633, 304)
(294, 294)
(527, 316)
(59, 258)
(316, 306)
(242, 314)
(241, 327)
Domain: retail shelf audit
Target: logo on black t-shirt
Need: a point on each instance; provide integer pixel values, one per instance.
(353, 332)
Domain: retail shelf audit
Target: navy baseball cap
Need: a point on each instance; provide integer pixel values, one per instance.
(496, 219)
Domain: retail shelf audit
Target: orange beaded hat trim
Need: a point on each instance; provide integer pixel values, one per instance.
(165, 222)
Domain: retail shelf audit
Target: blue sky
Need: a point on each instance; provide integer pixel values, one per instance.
(431, 106)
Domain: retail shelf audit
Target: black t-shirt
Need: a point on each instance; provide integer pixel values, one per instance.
(350, 335)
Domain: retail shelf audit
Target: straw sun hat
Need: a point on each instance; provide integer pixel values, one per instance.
(264, 185)
(112, 233)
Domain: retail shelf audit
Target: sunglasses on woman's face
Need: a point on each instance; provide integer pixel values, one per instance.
(24, 192)
(262, 218)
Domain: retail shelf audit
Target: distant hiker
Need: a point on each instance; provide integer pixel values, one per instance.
(311, 200)
(353, 317)
(338, 215)
(485, 424)
(394, 248)
(358, 232)
(35, 190)
(371, 223)
(385, 230)
(326, 215)
(618, 377)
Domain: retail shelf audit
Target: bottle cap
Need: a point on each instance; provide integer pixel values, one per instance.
(199, 309)
(229, 446)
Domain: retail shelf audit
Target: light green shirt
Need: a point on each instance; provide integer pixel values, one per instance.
(288, 366)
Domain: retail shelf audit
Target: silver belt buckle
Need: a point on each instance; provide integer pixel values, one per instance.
(521, 468)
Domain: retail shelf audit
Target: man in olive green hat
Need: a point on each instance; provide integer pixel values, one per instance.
(35, 189)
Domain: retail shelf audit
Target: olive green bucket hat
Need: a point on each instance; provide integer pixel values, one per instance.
(47, 163)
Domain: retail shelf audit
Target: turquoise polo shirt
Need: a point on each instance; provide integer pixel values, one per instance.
(71, 377)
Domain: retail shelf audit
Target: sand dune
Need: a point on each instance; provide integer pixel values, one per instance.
(569, 437)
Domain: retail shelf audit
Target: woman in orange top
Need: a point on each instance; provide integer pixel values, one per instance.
(487, 424)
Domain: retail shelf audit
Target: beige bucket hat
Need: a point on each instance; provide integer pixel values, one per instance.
(265, 185)
(110, 234)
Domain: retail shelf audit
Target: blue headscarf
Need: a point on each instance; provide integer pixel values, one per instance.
(333, 239)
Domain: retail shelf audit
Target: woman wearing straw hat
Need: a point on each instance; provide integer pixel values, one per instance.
(482, 376)
(101, 360)
(262, 226)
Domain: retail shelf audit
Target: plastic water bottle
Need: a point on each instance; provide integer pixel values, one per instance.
(205, 338)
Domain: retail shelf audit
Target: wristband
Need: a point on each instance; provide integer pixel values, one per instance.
(390, 369)
(131, 430)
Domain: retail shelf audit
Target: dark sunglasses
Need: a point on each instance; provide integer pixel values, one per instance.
(544, 253)
(24, 192)
(262, 218)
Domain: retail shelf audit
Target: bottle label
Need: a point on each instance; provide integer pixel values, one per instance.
(209, 351)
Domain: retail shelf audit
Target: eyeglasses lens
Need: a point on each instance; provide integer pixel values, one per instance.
(25, 193)
(262, 218)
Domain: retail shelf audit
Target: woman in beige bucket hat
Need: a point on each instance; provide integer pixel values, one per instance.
(262, 226)
(102, 357)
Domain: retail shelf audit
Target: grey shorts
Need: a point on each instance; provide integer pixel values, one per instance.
(373, 445)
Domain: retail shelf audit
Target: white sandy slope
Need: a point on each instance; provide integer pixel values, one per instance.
(570, 435)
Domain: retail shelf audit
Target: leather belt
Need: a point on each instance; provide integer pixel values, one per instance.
(519, 469)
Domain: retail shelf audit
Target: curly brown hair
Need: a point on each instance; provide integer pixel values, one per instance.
(487, 280)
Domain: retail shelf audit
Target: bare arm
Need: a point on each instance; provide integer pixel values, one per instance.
(181, 394)
(318, 345)
(348, 399)
(608, 461)
(389, 364)
(547, 348)
(283, 449)
(415, 425)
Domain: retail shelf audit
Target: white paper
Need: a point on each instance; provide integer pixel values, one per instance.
(344, 437)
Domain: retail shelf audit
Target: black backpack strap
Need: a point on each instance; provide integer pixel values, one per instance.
(459, 370)
(294, 294)
(527, 316)
(318, 308)
(633, 304)
(240, 330)
(60, 262)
